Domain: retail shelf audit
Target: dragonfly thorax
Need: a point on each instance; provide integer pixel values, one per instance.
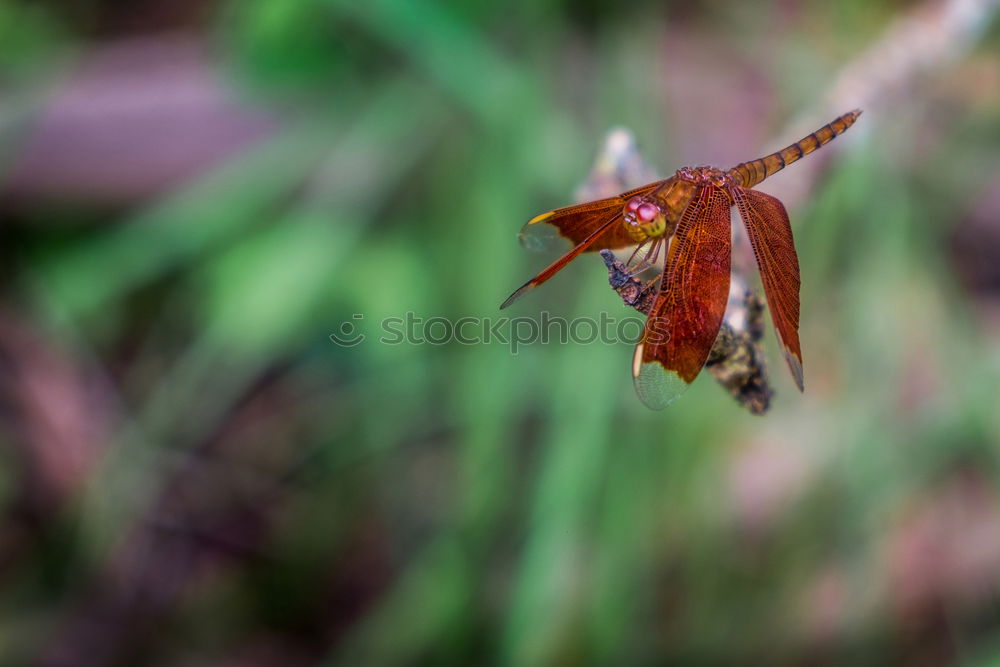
(643, 219)
(705, 176)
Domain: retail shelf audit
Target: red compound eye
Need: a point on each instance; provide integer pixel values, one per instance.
(633, 204)
(647, 212)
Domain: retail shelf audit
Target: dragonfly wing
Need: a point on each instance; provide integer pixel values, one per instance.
(687, 313)
(556, 266)
(770, 235)
(568, 227)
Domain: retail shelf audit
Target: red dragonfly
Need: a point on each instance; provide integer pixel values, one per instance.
(692, 207)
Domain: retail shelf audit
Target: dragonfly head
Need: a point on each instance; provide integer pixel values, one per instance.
(643, 219)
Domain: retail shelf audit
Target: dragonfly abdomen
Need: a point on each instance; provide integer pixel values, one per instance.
(749, 174)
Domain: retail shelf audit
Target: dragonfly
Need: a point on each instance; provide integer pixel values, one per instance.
(685, 219)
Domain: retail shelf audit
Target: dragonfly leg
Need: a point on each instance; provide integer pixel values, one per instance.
(648, 261)
(631, 258)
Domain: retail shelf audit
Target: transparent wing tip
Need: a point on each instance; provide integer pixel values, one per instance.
(518, 293)
(656, 386)
(795, 366)
(539, 236)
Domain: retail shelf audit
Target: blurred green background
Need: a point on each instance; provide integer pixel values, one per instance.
(195, 195)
